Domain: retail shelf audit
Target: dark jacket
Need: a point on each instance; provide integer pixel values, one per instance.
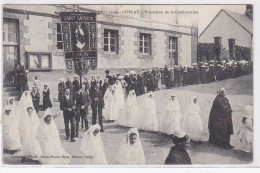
(83, 99)
(65, 104)
(98, 95)
(178, 156)
(75, 85)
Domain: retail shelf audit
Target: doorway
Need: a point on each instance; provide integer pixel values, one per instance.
(10, 46)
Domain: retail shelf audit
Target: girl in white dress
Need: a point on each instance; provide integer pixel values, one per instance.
(11, 137)
(49, 139)
(147, 120)
(128, 116)
(119, 95)
(28, 128)
(111, 107)
(92, 147)
(131, 150)
(245, 134)
(192, 123)
(170, 120)
(11, 102)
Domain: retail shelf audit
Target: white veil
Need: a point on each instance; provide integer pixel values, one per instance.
(49, 139)
(92, 147)
(170, 120)
(131, 154)
(11, 138)
(13, 107)
(119, 94)
(28, 126)
(192, 123)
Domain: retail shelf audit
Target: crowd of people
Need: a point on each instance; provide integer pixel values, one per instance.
(114, 99)
(202, 73)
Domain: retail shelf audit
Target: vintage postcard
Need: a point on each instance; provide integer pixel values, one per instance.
(96, 84)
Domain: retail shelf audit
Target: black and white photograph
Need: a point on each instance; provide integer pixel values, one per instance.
(128, 84)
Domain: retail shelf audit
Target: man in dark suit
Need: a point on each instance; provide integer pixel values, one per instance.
(68, 84)
(97, 105)
(35, 98)
(82, 103)
(75, 85)
(68, 107)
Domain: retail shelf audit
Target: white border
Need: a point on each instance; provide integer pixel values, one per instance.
(256, 162)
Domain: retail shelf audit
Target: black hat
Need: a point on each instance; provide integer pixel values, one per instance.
(177, 139)
(107, 71)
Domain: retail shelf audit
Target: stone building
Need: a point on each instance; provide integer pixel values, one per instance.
(230, 28)
(128, 36)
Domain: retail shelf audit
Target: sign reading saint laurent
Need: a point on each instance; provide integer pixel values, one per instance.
(79, 35)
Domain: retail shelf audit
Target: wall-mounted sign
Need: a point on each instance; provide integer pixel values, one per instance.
(79, 35)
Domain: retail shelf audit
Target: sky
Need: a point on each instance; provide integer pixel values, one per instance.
(208, 12)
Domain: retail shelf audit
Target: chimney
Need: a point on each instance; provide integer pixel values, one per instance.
(217, 42)
(231, 45)
(249, 11)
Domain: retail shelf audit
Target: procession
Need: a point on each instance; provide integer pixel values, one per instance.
(95, 88)
(114, 100)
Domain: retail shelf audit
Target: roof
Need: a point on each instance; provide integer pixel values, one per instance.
(244, 21)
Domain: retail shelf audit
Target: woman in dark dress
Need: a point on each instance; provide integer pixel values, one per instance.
(220, 121)
(46, 98)
(178, 154)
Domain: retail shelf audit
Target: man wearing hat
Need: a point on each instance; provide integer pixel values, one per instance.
(110, 81)
(220, 121)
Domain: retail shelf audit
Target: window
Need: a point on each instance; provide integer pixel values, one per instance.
(173, 49)
(39, 61)
(111, 41)
(59, 37)
(10, 44)
(145, 43)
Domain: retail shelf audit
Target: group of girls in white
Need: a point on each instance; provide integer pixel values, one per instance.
(37, 138)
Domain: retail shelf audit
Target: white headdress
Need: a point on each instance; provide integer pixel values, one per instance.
(92, 146)
(132, 154)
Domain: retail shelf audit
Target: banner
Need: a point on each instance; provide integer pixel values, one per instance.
(79, 35)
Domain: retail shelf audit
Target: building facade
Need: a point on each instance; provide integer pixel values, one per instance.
(229, 25)
(132, 38)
